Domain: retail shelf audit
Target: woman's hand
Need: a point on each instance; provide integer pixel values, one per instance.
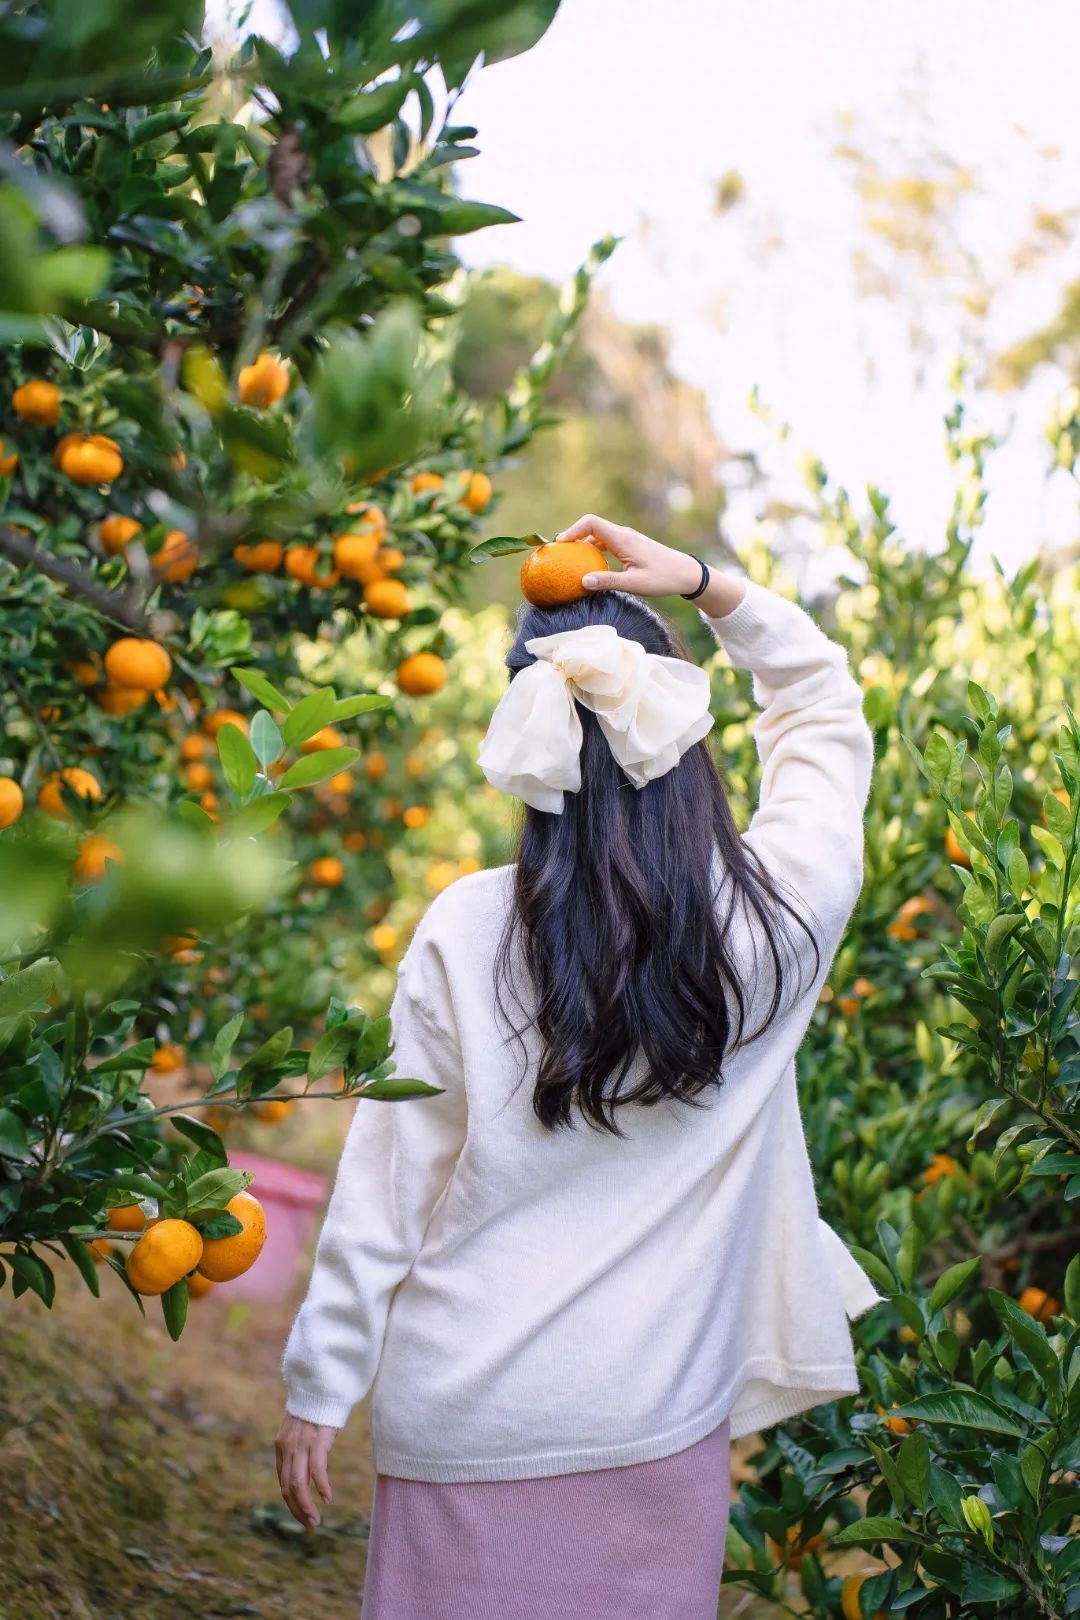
(302, 1450)
(648, 567)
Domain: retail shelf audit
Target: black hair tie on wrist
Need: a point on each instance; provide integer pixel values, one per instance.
(688, 596)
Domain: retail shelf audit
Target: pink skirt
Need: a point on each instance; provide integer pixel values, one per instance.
(640, 1542)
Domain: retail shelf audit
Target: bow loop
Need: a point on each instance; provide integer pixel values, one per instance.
(650, 707)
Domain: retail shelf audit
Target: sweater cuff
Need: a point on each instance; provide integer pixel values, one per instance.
(752, 616)
(318, 1409)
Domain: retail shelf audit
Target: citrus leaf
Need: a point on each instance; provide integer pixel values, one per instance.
(502, 545)
(174, 1307)
(260, 688)
(317, 767)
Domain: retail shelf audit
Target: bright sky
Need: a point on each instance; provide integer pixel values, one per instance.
(627, 112)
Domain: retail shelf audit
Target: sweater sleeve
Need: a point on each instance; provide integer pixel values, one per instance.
(397, 1159)
(816, 751)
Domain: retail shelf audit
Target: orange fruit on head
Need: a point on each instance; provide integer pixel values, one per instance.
(263, 383)
(552, 573)
(310, 567)
(226, 1258)
(94, 850)
(37, 402)
(421, 675)
(117, 532)
(327, 871)
(11, 801)
(261, 558)
(92, 458)
(82, 783)
(177, 558)
(167, 1251)
(135, 662)
(387, 598)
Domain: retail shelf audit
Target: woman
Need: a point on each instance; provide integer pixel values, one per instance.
(566, 1297)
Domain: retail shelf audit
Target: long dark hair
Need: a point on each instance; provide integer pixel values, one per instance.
(615, 910)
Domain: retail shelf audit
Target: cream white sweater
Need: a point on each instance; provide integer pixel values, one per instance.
(523, 1303)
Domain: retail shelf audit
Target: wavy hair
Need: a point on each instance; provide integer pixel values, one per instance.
(616, 915)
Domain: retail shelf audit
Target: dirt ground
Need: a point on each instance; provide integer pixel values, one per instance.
(137, 1476)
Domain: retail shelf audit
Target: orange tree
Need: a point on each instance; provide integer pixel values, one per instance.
(229, 434)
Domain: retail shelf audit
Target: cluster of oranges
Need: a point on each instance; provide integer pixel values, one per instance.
(169, 1249)
(85, 458)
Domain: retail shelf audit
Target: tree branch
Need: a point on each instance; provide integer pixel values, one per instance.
(118, 606)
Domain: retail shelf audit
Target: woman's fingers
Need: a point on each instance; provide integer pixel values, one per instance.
(596, 528)
(296, 1487)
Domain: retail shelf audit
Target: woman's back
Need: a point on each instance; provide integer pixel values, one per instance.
(524, 1300)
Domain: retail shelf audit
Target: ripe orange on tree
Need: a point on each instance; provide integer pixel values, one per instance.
(354, 842)
(125, 1218)
(37, 402)
(375, 765)
(328, 737)
(8, 463)
(167, 1251)
(11, 801)
(1039, 1304)
(167, 1058)
(422, 674)
(390, 559)
(94, 850)
(262, 557)
(120, 699)
(177, 557)
(849, 1598)
(387, 598)
(416, 815)
(355, 557)
(198, 776)
(264, 382)
(953, 847)
(941, 1164)
(117, 532)
(275, 1109)
(478, 492)
(136, 662)
(327, 871)
(198, 1285)
(552, 572)
(898, 1425)
(423, 482)
(213, 723)
(309, 566)
(91, 458)
(227, 1257)
(82, 783)
(192, 748)
(372, 518)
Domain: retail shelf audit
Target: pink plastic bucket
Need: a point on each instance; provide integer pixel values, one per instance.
(292, 1199)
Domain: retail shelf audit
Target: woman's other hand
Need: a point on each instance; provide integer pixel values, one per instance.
(302, 1450)
(648, 567)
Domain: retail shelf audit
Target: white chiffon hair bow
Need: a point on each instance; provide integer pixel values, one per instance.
(651, 709)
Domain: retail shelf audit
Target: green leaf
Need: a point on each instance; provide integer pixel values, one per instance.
(223, 1045)
(261, 689)
(310, 715)
(461, 218)
(501, 545)
(952, 1282)
(29, 988)
(1064, 1506)
(267, 1056)
(317, 767)
(868, 1532)
(221, 1225)
(1033, 1471)
(133, 1058)
(81, 1254)
(194, 813)
(373, 1045)
(913, 1467)
(965, 1410)
(875, 1267)
(33, 1273)
(397, 1090)
(266, 739)
(257, 815)
(203, 1135)
(1072, 1288)
(367, 703)
(238, 759)
(374, 109)
(174, 1307)
(330, 1050)
(1030, 1336)
(14, 1141)
(213, 1190)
